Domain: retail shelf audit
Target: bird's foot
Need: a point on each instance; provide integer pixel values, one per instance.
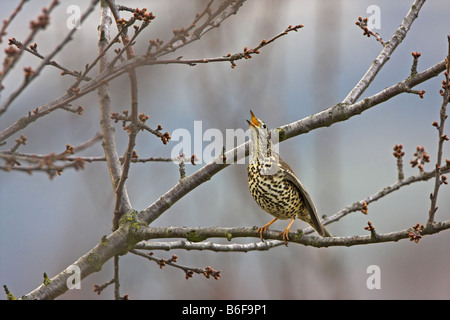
(285, 235)
(262, 229)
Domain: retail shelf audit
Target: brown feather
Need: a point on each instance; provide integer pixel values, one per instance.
(307, 201)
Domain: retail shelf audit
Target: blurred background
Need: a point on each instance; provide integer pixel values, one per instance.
(46, 224)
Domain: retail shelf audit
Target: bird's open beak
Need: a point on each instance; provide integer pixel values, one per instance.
(254, 122)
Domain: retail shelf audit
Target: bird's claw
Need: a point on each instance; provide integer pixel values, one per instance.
(261, 230)
(285, 235)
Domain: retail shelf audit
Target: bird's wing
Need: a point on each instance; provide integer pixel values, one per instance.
(316, 224)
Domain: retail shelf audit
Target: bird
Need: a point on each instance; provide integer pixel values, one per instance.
(274, 185)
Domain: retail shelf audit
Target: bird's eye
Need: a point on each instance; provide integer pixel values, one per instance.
(264, 126)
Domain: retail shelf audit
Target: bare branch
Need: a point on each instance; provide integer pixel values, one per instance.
(46, 163)
(208, 245)
(109, 144)
(120, 207)
(362, 23)
(207, 272)
(46, 60)
(398, 153)
(100, 288)
(201, 234)
(423, 176)
(35, 26)
(385, 54)
(441, 139)
(116, 278)
(341, 112)
(188, 35)
(245, 54)
(6, 22)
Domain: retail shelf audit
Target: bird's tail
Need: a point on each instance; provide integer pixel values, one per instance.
(320, 229)
(325, 232)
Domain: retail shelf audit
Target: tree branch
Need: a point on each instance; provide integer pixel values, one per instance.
(207, 272)
(185, 36)
(106, 75)
(46, 60)
(385, 53)
(35, 26)
(109, 144)
(208, 246)
(121, 207)
(201, 234)
(341, 112)
(441, 139)
(6, 22)
(423, 176)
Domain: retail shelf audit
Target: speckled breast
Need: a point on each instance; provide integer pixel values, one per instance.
(274, 193)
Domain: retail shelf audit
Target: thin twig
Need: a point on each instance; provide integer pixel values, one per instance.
(128, 43)
(35, 158)
(100, 56)
(7, 21)
(245, 54)
(207, 272)
(53, 63)
(362, 23)
(100, 288)
(43, 21)
(382, 193)
(116, 278)
(46, 163)
(165, 137)
(398, 154)
(184, 36)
